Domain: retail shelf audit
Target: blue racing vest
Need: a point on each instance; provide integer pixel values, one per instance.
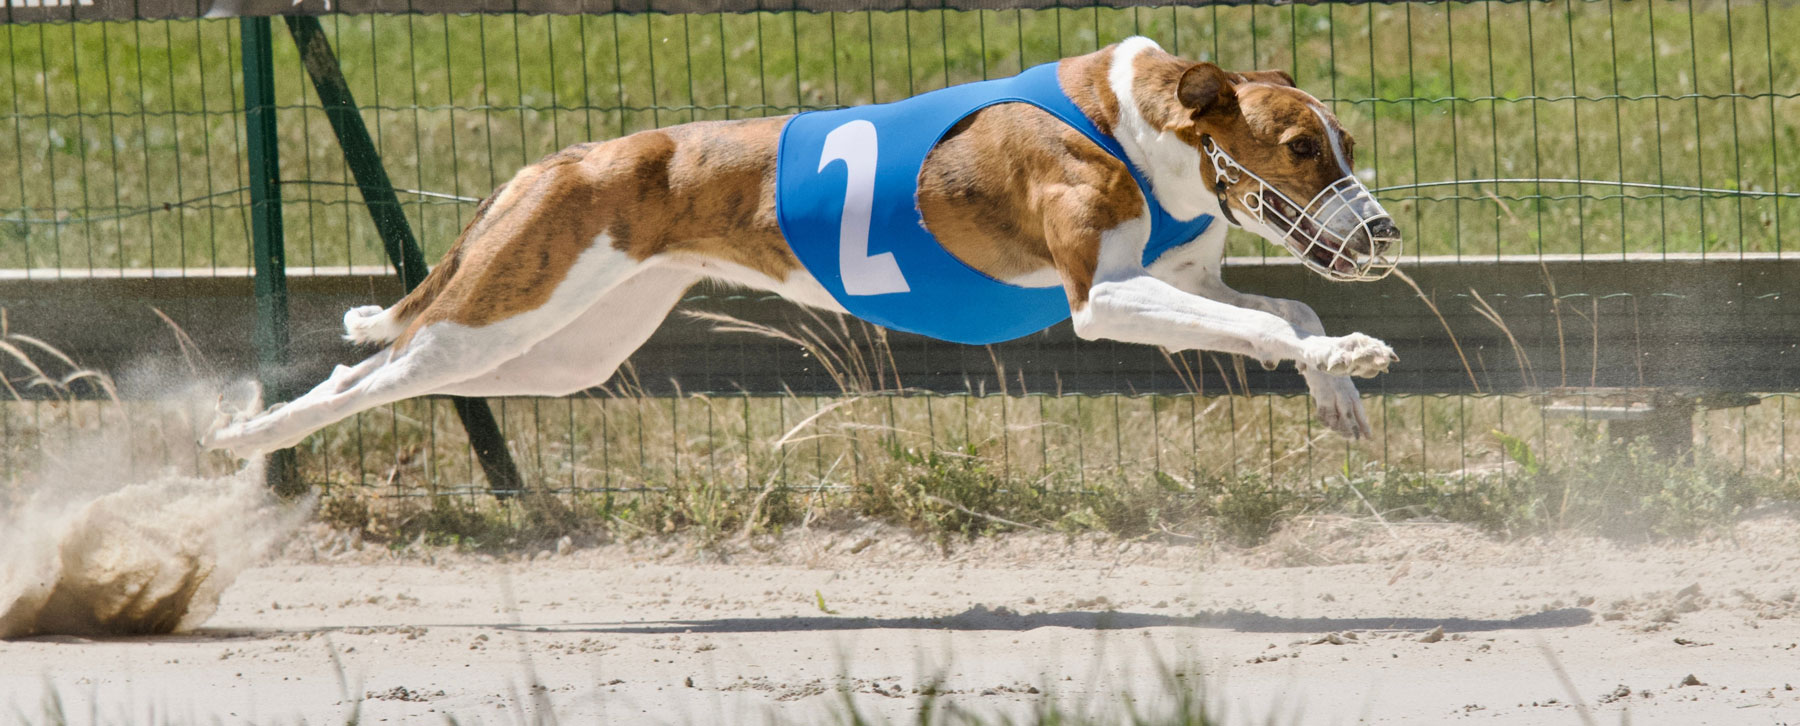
(846, 195)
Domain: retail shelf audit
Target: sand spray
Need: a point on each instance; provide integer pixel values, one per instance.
(93, 546)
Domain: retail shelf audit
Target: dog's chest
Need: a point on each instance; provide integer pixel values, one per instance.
(846, 196)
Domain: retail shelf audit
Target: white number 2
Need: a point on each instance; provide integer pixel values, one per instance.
(864, 274)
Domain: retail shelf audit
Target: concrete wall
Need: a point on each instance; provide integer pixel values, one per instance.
(1706, 325)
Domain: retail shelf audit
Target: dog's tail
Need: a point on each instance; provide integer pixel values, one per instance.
(370, 324)
(373, 325)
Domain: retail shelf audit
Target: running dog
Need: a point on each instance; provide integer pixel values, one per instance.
(1090, 188)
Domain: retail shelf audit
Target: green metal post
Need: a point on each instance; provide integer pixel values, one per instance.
(271, 335)
(397, 238)
(358, 147)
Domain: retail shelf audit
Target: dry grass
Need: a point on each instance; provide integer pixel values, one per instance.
(1217, 467)
(1229, 468)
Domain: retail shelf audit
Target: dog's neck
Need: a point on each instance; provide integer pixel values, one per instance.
(1128, 91)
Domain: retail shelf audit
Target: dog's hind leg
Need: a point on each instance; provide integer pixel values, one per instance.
(586, 352)
(435, 355)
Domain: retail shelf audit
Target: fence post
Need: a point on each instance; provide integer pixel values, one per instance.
(271, 335)
(397, 238)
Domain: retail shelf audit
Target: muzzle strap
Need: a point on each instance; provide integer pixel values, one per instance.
(1219, 187)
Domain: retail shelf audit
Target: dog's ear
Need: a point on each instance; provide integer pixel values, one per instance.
(1276, 77)
(1204, 89)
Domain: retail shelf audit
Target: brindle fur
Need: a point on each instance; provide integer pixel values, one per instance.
(572, 264)
(708, 189)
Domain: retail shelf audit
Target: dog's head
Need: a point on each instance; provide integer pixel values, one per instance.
(1280, 165)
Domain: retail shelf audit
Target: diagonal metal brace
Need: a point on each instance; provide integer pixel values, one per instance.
(390, 222)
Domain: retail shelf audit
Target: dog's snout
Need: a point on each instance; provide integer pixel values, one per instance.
(1384, 233)
(1373, 237)
(1383, 229)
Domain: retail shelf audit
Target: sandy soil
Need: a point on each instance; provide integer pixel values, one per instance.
(1335, 622)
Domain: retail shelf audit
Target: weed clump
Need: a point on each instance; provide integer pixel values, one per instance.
(484, 525)
(953, 493)
(1622, 491)
(1629, 492)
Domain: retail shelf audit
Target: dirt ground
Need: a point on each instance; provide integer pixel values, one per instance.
(1334, 622)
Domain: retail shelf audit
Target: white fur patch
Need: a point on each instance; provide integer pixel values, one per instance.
(1184, 265)
(1122, 250)
(1337, 143)
(1040, 277)
(587, 351)
(439, 355)
(1172, 166)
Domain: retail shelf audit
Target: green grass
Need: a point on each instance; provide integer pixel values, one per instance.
(127, 116)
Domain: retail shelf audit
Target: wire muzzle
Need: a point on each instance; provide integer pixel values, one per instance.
(1343, 233)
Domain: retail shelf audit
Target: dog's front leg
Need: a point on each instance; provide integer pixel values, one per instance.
(1337, 402)
(1125, 302)
(1143, 309)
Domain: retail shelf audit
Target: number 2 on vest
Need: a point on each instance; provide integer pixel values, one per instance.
(854, 144)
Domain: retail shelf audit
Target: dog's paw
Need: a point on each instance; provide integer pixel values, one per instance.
(236, 406)
(1350, 355)
(1339, 406)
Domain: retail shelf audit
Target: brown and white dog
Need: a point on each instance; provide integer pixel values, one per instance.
(569, 267)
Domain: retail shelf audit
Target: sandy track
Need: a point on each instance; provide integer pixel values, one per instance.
(1324, 625)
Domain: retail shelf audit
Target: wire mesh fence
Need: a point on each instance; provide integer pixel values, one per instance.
(130, 131)
(697, 447)
(1565, 131)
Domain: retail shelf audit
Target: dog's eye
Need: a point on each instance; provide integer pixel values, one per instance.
(1304, 148)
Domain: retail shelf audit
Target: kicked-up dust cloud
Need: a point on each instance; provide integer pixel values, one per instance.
(147, 557)
(94, 546)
